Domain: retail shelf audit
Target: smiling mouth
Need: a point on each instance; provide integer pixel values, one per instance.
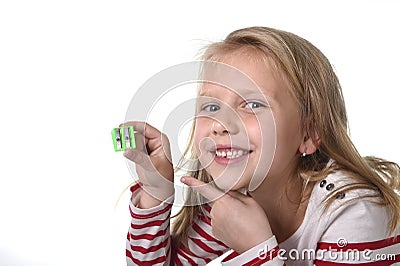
(231, 153)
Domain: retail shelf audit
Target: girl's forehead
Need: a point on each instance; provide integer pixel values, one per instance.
(210, 89)
(245, 74)
(268, 91)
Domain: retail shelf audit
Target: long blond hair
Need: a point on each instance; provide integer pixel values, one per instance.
(316, 88)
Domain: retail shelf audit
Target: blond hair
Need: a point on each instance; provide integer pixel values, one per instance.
(316, 88)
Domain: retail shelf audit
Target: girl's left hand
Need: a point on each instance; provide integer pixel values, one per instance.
(236, 219)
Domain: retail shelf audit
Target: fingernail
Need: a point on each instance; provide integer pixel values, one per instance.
(183, 179)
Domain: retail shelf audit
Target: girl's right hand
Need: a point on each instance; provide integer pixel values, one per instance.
(152, 157)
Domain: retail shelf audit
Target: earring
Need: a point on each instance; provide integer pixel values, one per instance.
(304, 153)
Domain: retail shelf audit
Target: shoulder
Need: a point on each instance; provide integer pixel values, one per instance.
(333, 183)
(355, 214)
(354, 224)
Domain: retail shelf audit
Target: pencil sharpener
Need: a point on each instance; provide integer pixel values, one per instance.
(123, 138)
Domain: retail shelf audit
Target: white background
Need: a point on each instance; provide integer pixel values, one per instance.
(68, 70)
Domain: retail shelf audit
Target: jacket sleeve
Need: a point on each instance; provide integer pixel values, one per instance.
(358, 233)
(265, 253)
(149, 241)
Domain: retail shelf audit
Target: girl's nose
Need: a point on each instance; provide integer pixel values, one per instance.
(224, 127)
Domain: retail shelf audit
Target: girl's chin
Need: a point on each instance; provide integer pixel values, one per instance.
(226, 180)
(228, 186)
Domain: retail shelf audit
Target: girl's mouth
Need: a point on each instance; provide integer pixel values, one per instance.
(227, 155)
(230, 153)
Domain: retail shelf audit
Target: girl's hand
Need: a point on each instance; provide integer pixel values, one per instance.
(236, 219)
(152, 157)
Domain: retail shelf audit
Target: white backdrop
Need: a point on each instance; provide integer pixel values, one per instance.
(68, 70)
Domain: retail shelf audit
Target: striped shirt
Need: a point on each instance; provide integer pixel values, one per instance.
(350, 232)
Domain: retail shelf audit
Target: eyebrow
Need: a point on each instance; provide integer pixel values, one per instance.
(242, 90)
(246, 93)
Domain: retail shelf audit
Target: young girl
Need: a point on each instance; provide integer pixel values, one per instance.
(306, 195)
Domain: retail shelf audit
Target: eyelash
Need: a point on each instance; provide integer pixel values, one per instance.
(208, 106)
(254, 102)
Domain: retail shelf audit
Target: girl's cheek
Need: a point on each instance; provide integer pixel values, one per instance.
(253, 129)
(199, 134)
(197, 146)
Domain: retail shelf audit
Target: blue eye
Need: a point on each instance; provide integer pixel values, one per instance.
(211, 108)
(253, 105)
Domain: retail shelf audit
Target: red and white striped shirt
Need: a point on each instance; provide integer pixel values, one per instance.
(349, 232)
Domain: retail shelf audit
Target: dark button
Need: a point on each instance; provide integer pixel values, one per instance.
(330, 186)
(322, 183)
(341, 195)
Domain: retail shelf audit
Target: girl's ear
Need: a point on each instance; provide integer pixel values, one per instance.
(309, 146)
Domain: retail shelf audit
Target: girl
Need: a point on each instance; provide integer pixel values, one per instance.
(310, 198)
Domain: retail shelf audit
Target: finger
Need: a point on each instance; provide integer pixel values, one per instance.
(143, 128)
(153, 138)
(206, 189)
(139, 157)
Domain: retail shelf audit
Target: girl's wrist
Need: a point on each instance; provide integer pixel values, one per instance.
(254, 241)
(151, 198)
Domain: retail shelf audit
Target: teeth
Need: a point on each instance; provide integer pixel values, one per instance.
(231, 154)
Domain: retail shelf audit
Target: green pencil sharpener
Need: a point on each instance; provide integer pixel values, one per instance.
(123, 138)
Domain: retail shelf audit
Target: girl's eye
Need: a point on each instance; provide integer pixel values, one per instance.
(211, 108)
(253, 105)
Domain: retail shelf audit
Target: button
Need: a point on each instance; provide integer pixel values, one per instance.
(322, 183)
(341, 195)
(330, 186)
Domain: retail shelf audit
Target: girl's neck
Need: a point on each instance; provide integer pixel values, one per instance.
(285, 202)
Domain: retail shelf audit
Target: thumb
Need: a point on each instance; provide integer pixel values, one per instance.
(209, 191)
